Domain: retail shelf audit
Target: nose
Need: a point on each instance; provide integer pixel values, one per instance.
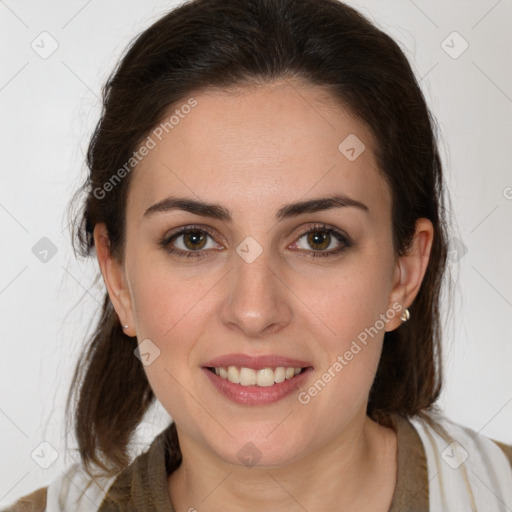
(257, 301)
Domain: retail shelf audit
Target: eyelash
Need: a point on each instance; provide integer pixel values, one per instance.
(340, 236)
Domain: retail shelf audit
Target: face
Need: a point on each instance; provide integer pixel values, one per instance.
(257, 284)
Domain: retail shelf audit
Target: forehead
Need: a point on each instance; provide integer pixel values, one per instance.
(258, 146)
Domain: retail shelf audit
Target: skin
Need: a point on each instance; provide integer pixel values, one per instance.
(254, 150)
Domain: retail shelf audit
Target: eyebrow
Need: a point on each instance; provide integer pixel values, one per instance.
(217, 211)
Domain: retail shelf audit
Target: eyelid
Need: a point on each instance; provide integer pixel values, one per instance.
(213, 233)
(322, 226)
(190, 227)
(339, 234)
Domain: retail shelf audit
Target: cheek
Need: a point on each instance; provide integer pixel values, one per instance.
(351, 299)
(165, 300)
(354, 306)
(351, 357)
(170, 312)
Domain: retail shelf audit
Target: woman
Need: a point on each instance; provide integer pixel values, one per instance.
(265, 201)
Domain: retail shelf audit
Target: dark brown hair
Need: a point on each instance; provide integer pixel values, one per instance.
(226, 43)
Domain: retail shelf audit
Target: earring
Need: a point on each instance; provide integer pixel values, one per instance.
(125, 326)
(406, 314)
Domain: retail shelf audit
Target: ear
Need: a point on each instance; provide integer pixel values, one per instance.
(115, 280)
(410, 270)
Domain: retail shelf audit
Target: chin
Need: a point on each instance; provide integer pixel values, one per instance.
(261, 447)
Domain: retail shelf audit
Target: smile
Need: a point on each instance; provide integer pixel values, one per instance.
(263, 377)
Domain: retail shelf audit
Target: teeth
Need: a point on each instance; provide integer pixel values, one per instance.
(280, 374)
(233, 374)
(263, 377)
(247, 377)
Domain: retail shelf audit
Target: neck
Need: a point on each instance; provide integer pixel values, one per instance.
(354, 471)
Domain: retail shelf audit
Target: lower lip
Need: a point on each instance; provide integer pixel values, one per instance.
(257, 395)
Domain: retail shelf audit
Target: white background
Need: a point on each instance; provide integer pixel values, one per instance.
(49, 107)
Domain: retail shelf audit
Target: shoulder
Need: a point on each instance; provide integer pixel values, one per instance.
(506, 448)
(34, 502)
(73, 489)
(142, 485)
(464, 467)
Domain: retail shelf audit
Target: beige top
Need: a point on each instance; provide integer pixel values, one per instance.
(143, 485)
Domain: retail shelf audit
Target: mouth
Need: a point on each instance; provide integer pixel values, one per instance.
(256, 379)
(262, 377)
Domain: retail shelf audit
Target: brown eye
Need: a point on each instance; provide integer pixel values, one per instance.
(190, 242)
(322, 240)
(319, 240)
(194, 240)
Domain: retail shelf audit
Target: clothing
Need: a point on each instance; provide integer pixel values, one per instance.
(465, 472)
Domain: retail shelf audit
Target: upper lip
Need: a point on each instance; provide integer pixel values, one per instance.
(255, 362)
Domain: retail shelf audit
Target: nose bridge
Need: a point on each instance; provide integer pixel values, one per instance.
(256, 300)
